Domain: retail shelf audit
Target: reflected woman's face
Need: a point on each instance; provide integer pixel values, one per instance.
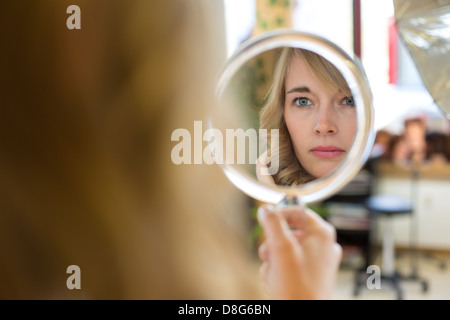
(321, 121)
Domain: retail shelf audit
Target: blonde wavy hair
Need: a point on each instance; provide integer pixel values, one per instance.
(290, 170)
(87, 176)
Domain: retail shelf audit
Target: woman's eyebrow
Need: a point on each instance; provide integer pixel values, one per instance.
(299, 89)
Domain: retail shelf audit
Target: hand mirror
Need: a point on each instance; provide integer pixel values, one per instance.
(293, 122)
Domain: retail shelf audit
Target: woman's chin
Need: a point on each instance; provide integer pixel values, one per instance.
(322, 172)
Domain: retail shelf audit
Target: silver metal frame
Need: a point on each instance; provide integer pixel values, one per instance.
(354, 75)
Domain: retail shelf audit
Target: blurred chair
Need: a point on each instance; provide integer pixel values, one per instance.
(388, 206)
(353, 223)
(359, 229)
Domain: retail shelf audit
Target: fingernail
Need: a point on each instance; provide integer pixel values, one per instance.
(263, 212)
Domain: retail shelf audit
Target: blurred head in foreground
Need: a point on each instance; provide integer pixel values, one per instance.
(86, 173)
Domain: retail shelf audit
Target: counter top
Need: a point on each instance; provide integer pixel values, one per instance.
(428, 171)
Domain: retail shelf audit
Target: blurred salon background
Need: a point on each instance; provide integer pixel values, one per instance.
(411, 154)
(84, 177)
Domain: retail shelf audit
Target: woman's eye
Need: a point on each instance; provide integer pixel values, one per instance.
(302, 102)
(348, 101)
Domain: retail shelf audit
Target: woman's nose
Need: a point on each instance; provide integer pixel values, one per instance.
(325, 123)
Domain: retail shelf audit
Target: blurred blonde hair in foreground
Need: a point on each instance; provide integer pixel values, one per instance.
(85, 156)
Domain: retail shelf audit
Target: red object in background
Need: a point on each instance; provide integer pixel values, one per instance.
(393, 51)
(357, 28)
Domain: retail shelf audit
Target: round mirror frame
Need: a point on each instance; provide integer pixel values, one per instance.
(354, 75)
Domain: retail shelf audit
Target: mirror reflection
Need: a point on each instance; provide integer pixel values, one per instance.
(293, 121)
(311, 106)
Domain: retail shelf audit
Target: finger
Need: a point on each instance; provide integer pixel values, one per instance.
(264, 274)
(339, 251)
(299, 235)
(263, 269)
(294, 216)
(305, 222)
(275, 227)
(263, 252)
(321, 226)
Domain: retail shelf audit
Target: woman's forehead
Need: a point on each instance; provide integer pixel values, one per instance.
(314, 71)
(299, 75)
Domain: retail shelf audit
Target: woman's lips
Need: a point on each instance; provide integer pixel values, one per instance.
(327, 151)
